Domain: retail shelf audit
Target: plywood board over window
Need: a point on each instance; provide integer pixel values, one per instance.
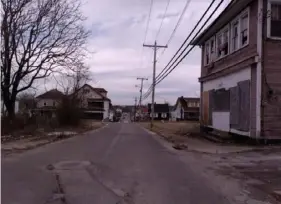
(240, 106)
(244, 105)
(205, 106)
(234, 107)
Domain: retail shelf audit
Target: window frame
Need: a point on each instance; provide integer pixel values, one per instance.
(164, 115)
(236, 20)
(229, 26)
(269, 4)
(207, 52)
(221, 33)
(243, 14)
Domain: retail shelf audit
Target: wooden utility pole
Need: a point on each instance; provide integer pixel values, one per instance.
(155, 48)
(141, 78)
(135, 109)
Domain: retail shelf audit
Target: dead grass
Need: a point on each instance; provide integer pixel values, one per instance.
(39, 137)
(175, 132)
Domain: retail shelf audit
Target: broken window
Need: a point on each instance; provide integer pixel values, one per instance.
(244, 30)
(275, 22)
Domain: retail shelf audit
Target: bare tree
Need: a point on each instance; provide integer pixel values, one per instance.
(69, 111)
(38, 38)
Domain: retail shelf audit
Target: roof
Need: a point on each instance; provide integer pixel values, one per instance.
(97, 90)
(101, 90)
(233, 8)
(159, 108)
(184, 101)
(52, 94)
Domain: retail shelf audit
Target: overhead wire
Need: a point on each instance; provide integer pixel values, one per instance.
(187, 38)
(170, 69)
(147, 28)
(166, 67)
(176, 27)
(164, 16)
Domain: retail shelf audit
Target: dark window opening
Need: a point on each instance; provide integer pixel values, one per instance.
(93, 104)
(221, 100)
(275, 28)
(244, 30)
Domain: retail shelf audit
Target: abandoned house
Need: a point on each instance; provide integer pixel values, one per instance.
(241, 70)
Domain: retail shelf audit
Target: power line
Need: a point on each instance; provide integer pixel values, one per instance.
(165, 13)
(148, 20)
(171, 69)
(179, 21)
(166, 67)
(146, 29)
(190, 34)
(177, 25)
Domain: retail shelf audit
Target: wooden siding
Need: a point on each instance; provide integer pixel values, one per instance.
(271, 80)
(205, 107)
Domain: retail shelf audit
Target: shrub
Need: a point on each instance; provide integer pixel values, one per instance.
(68, 112)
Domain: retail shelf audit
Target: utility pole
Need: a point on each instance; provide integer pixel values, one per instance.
(141, 78)
(135, 111)
(155, 48)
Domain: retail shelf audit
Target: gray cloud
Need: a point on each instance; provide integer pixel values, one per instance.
(118, 28)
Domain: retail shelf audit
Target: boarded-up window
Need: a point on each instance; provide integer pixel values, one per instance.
(244, 105)
(220, 100)
(234, 107)
(240, 106)
(211, 96)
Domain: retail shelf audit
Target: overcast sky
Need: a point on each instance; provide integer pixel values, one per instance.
(118, 31)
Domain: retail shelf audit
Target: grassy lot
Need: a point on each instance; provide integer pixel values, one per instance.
(41, 137)
(176, 132)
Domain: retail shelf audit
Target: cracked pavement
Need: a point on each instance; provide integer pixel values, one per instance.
(121, 163)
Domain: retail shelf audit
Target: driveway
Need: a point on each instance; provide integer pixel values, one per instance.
(121, 163)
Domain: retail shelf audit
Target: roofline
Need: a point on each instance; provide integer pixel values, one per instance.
(219, 22)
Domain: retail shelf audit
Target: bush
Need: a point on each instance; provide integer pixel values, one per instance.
(68, 112)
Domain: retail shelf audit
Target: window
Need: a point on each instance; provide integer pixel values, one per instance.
(244, 30)
(235, 36)
(219, 40)
(275, 20)
(223, 43)
(225, 46)
(212, 46)
(220, 99)
(44, 103)
(207, 54)
(54, 103)
(164, 115)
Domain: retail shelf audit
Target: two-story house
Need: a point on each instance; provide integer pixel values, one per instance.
(241, 70)
(187, 108)
(94, 102)
(47, 103)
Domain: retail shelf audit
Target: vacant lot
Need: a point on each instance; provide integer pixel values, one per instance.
(176, 132)
(25, 140)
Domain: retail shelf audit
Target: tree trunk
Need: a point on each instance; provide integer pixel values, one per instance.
(10, 107)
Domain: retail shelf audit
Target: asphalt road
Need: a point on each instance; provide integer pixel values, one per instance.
(121, 163)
